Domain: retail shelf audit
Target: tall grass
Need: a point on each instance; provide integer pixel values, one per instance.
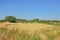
(6, 34)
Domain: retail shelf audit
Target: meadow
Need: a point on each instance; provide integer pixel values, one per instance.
(29, 31)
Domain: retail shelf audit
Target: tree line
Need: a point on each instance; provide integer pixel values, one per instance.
(13, 19)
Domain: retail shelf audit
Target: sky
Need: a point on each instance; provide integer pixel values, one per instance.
(30, 9)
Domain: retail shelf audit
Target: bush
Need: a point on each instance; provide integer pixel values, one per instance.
(2, 20)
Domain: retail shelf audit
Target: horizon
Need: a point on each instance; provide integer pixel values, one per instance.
(30, 9)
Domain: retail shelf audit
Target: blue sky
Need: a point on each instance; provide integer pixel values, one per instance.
(29, 9)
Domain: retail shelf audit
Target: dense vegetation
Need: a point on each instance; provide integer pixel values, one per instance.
(36, 20)
(45, 34)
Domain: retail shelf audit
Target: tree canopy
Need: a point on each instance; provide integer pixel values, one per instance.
(10, 19)
(36, 20)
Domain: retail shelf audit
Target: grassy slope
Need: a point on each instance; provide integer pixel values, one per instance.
(29, 31)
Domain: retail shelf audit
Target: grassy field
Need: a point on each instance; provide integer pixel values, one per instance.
(29, 31)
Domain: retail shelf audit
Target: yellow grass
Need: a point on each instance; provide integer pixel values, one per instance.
(46, 31)
(26, 26)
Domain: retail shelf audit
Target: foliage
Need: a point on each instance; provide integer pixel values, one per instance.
(36, 20)
(10, 18)
(2, 20)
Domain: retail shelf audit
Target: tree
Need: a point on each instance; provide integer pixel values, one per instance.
(35, 20)
(10, 19)
(21, 20)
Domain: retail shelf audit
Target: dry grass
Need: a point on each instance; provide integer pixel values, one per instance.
(29, 31)
(27, 26)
